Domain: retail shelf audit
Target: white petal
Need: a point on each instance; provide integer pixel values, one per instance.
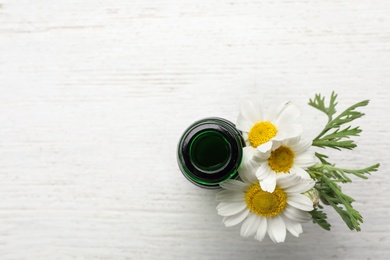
(263, 172)
(275, 144)
(276, 229)
(300, 187)
(236, 219)
(234, 185)
(230, 209)
(269, 184)
(265, 147)
(252, 111)
(248, 167)
(300, 172)
(262, 229)
(300, 201)
(230, 196)
(305, 160)
(243, 124)
(288, 113)
(222, 204)
(260, 156)
(292, 142)
(286, 131)
(280, 135)
(296, 215)
(301, 146)
(245, 136)
(273, 112)
(293, 227)
(250, 225)
(267, 178)
(248, 152)
(287, 180)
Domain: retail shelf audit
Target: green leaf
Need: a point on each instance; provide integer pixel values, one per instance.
(322, 158)
(360, 172)
(348, 144)
(336, 139)
(319, 217)
(331, 192)
(327, 176)
(340, 174)
(319, 103)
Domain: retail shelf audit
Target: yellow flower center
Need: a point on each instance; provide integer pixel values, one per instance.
(265, 203)
(281, 160)
(261, 133)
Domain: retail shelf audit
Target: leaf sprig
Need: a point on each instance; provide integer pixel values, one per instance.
(336, 139)
(337, 136)
(327, 178)
(320, 217)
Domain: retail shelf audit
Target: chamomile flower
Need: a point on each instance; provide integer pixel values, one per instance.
(261, 128)
(264, 212)
(289, 156)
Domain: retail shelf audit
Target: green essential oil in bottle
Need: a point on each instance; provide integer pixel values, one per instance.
(210, 152)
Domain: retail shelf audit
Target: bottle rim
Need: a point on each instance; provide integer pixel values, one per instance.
(210, 179)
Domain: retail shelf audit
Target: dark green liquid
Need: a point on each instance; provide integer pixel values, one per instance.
(210, 150)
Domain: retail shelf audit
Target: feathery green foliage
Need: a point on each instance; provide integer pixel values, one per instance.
(327, 176)
(334, 135)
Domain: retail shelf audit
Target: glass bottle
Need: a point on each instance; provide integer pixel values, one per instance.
(210, 152)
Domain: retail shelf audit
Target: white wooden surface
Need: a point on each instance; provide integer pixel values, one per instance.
(94, 96)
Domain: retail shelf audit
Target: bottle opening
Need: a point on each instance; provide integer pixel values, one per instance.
(210, 151)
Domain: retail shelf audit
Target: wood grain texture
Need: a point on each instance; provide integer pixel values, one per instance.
(94, 96)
